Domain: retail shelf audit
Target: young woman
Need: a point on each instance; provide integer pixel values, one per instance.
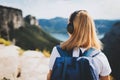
(83, 36)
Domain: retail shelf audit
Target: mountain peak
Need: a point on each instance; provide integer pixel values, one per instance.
(58, 18)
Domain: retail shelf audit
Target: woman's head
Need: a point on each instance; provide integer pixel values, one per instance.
(82, 30)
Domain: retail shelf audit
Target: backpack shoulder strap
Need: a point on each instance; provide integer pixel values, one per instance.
(62, 53)
(90, 51)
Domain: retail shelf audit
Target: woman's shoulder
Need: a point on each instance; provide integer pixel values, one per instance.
(102, 63)
(101, 54)
(102, 58)
(55, 51)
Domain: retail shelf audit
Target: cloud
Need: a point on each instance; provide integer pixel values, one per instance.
(51, 8)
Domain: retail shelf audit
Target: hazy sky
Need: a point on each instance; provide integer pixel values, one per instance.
(99, 9)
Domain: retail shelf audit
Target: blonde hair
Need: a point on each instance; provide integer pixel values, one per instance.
(84, 34)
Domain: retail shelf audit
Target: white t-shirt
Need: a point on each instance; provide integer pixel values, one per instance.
(101, 61)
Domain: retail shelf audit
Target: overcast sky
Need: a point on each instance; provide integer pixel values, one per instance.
(99, 9)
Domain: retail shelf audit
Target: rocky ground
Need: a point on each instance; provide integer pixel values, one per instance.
(32, 65)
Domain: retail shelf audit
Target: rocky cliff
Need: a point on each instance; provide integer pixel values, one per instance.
(31, 20)
(10, 19)
(112, 49)
(24, 32)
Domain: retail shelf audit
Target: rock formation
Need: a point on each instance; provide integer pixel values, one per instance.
(34, 66)
(9, 62)
(24, 32)
(10, 19)
(112, 49)
(31, 20)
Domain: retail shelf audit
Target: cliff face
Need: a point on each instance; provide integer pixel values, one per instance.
(10, 19)
(112, 49)
(31, 20)
(24, 32)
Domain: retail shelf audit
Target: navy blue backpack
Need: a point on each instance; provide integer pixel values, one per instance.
(67, 67)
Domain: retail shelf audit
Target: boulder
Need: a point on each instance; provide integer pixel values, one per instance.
(9, 62)
(34, 66)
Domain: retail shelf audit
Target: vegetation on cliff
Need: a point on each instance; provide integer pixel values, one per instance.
(24, 32)
(33, 37)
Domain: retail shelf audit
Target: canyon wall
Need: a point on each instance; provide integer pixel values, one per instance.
(10, 19)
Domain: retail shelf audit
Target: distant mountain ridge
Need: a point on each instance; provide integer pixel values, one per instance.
(54, 25)
(58, 25)
(103, 26)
